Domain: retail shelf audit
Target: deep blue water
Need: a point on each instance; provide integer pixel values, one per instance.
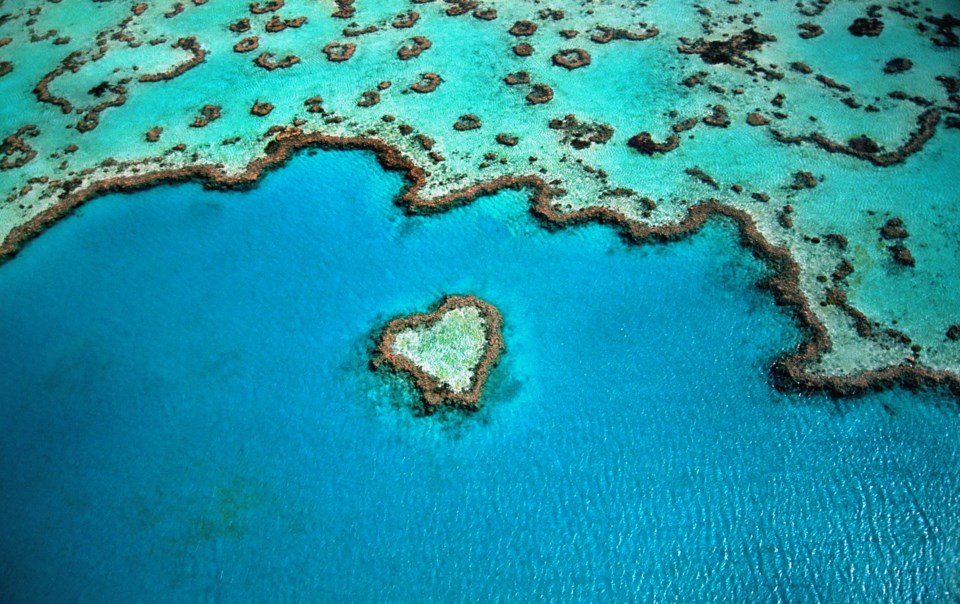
(187, 414)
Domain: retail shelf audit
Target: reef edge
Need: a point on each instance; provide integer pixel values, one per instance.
(432, 392)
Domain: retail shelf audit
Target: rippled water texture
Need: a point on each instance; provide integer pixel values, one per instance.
(187, 413)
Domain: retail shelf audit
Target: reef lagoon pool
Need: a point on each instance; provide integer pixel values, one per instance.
(188, 413)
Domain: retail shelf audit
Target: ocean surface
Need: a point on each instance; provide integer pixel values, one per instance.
(188, 414)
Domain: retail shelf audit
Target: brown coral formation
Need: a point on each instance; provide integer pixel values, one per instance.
(803, 180)
(190, 45)
(894, 229)
(368, 98)
(951, 85)
(701, 176)
(810, 30)
(15, 152)
(485, 14)
(428, 83)
(837, 240)
(843, 270)
(261, 109)
(523, 28)
(866, 149)
(405, 20)
(432, 391)
(523, 50)
(354, 33)
(897, 65)
(265, 60)
(945, 26)
(718, 117)
(837, 297)
(729, 51)
(247, 44)
(425, 141)
(460, 7)
(241, 26)
(42, 89)
(831, 83)
(313, 104)
(337, 52)
(417, 45)
(267, 7)
(645, 144)
(571, 58)
(604, 34)
(276, 24)
(507, 140)
(756, 119)
(466, 122)
(173, 12)
(685, 125)
(902, 255)
(153, 134)
(519, 77)
(866, 27)
(581, 134)
(208, 113)
(345, 9)
(91, 118)
(540, 93)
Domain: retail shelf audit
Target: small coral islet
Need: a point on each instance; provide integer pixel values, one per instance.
(448, 352)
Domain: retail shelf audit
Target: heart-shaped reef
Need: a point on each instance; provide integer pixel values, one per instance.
(448, 352)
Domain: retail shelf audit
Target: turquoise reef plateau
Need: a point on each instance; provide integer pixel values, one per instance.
(826, 131)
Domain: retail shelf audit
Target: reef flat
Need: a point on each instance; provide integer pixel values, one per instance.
(449, 351)
(826, 131)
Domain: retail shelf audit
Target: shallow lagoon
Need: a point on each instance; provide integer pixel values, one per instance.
(187, 413)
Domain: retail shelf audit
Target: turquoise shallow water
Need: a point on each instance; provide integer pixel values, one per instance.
(187, 414)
